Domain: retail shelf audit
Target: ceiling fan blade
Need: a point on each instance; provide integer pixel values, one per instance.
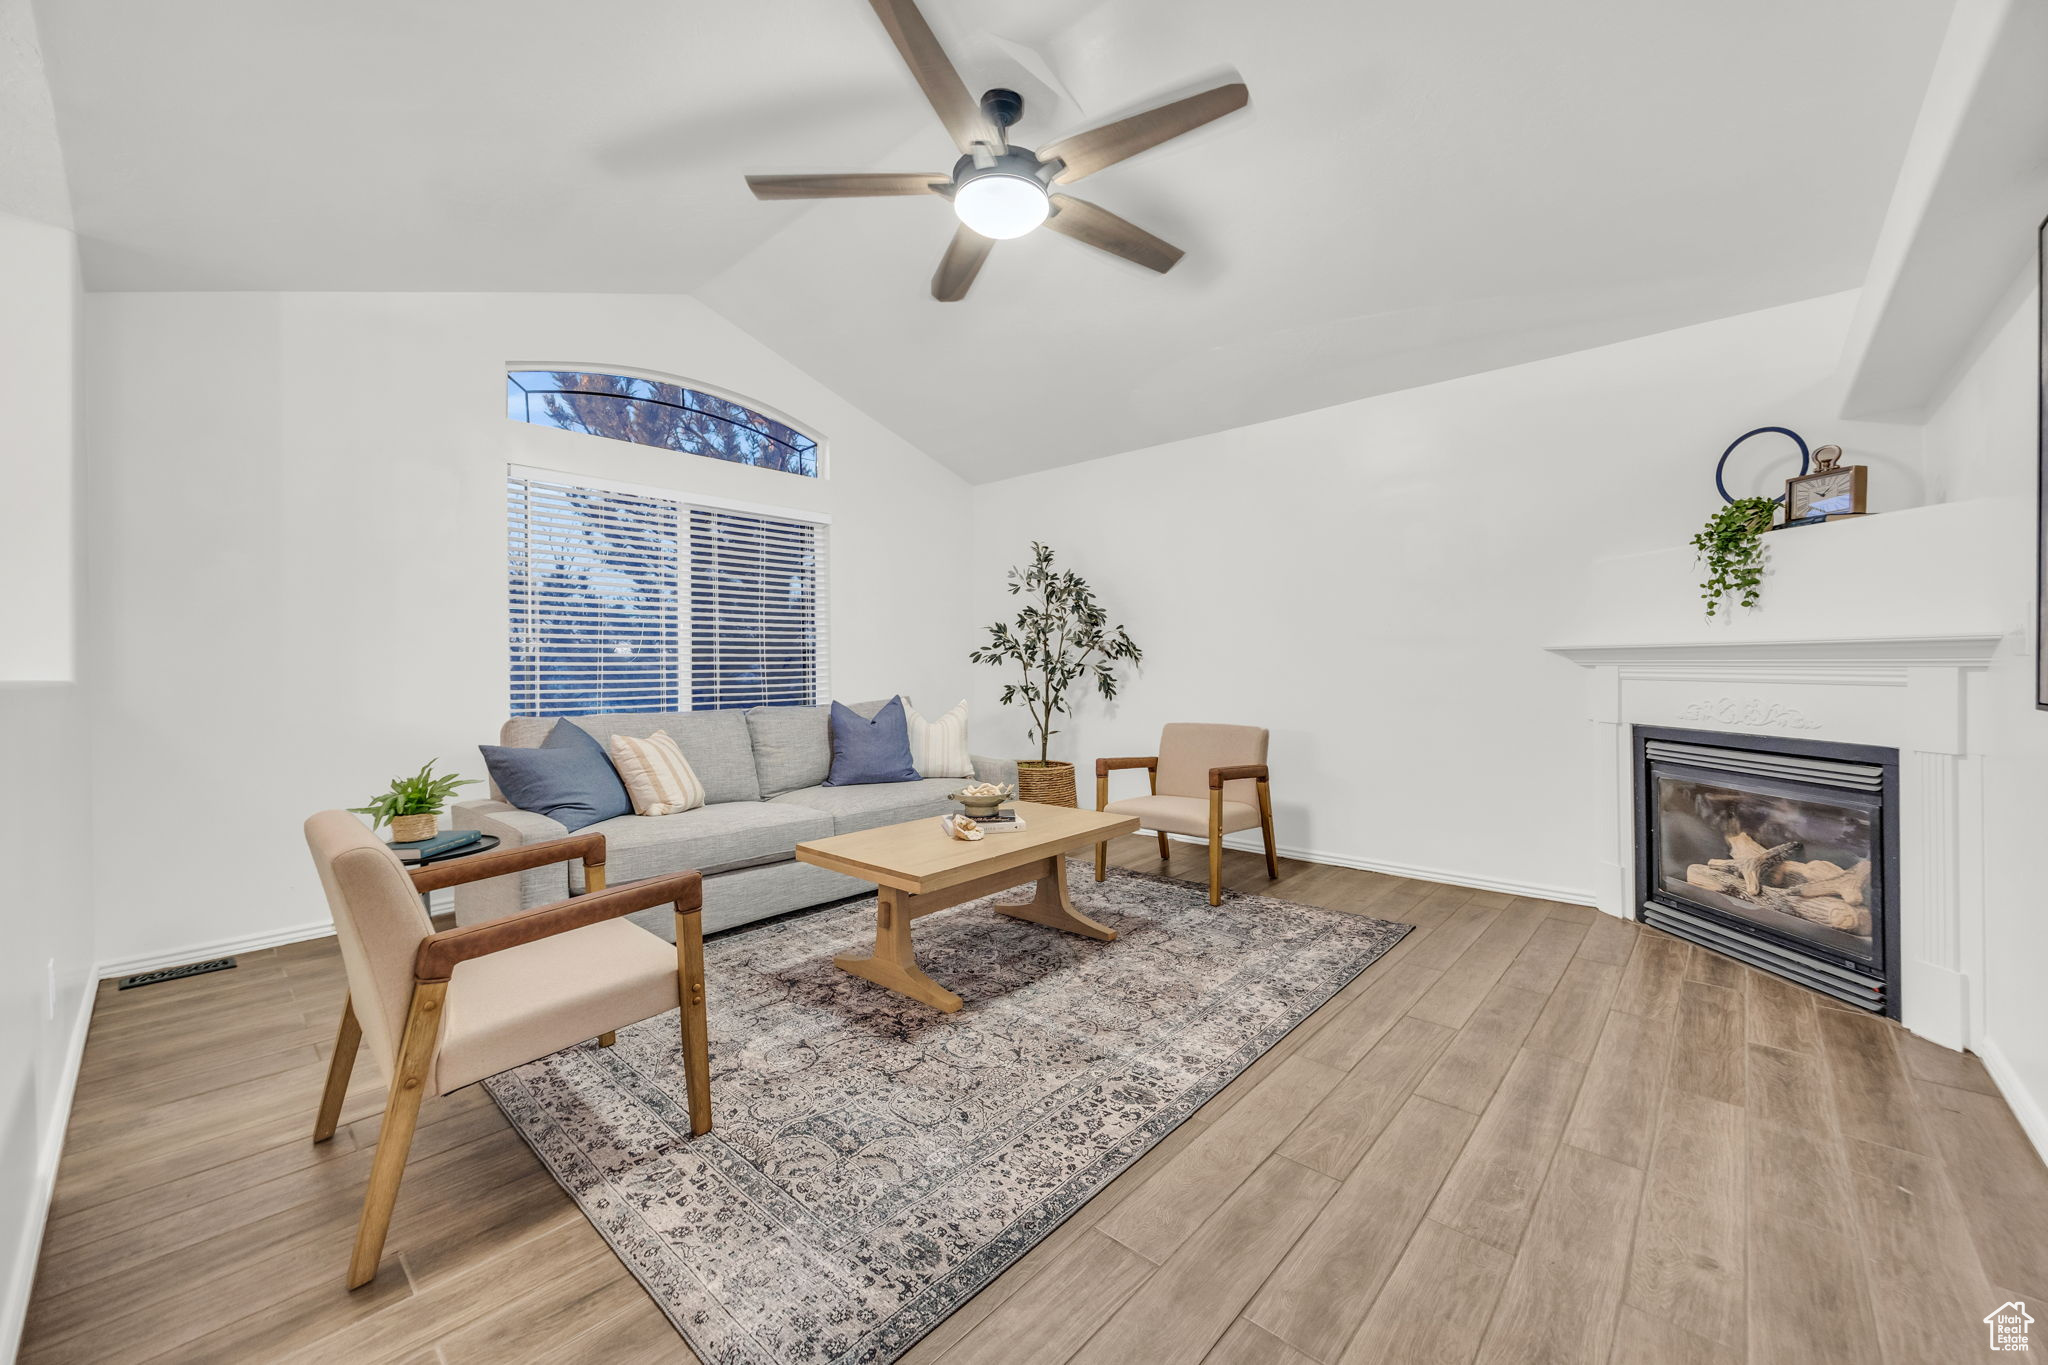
(961, 263)
(1086, 153)
(1099, 228)
(860, 186)
(958, 110)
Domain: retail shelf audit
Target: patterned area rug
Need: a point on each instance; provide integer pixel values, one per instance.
(876, 1162)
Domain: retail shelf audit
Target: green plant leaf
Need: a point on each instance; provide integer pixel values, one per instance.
(420, 794)
(1060, 635)
(1731, 548)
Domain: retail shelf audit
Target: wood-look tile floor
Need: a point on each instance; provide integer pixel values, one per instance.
(1529, 1133)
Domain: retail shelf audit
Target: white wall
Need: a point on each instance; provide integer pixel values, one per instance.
(46, 926)
(1374, 582)
(1981, 447)
(298, 550)
(38, 306)
(46, 976)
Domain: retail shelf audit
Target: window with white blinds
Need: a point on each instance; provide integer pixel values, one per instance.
(628, 600)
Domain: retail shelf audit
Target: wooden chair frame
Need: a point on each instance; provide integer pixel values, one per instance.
(434, 966)
(1217, 777)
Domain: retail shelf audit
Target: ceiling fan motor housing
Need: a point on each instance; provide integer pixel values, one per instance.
(1002, 107)
(1017, 161)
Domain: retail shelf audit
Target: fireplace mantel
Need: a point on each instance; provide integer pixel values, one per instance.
(1895, 651)
(1908, 692)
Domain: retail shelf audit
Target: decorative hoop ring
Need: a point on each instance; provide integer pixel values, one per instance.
(1805, 458)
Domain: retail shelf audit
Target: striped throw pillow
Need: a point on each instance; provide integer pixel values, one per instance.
(658, 778)
(938, 748)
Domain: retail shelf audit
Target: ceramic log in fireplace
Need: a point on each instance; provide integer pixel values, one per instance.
(1779, 852)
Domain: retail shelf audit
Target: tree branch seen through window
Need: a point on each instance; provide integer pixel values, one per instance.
(652, 413)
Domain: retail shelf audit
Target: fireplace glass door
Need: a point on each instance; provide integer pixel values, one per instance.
(1792, 859)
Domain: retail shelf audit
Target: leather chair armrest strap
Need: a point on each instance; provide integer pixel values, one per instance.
(1218, 776)
(1104, 765)
(482, 866)
(439, 953)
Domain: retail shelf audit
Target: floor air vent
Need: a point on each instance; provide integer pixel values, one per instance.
(212, 964)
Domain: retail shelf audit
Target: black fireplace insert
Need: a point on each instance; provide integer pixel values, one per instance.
(1780, 852)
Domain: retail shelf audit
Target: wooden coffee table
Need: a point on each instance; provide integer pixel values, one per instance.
(917, 870)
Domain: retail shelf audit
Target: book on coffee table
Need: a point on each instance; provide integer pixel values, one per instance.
(998, 822)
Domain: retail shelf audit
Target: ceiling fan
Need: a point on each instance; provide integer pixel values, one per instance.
(998, 189)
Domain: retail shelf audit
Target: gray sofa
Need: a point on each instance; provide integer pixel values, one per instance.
(763, 772)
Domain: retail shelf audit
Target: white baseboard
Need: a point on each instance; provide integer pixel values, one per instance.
(2025, 1105)
(1535, 891)
(28, 1250)
(199, 952)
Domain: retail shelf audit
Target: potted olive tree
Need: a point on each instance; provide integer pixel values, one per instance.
(1060, 637)
(413, 805)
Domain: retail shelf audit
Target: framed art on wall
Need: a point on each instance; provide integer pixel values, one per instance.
(2041, 484)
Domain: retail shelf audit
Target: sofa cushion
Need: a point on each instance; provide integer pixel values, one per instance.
(890, 803)
(792, 747)
(938, 747)
(658, 778)
(711, 839)
(793, 744)
(870, 749)
(568, 778)
(717, 744)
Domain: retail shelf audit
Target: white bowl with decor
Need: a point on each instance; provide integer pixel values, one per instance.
(984, 798)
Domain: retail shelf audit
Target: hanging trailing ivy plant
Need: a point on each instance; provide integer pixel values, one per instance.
(1732, 549)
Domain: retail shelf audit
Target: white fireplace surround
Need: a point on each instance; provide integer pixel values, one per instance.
(1911, 693)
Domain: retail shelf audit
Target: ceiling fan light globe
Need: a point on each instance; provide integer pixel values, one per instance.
(1001, 206)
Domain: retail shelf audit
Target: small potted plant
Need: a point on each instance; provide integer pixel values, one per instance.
(1731, 548)
(413, 805)
(1061, 636)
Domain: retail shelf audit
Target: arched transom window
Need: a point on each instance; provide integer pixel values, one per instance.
(652, 412)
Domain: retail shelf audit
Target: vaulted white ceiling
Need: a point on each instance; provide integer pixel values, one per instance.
(1417, 190)
(31, 163)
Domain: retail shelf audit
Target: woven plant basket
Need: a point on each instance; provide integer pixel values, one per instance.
(410, 829)
(1049, 784)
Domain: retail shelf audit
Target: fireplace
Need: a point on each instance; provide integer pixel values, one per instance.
(1780, 852)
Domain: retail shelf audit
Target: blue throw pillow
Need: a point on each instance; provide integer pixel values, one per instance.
(866, 751)
(569, 778)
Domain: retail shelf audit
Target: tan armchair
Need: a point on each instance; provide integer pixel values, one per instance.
(444, 1010)
(1207, 781)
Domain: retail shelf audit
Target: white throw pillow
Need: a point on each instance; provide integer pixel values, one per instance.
(658, 778)
(938, 748)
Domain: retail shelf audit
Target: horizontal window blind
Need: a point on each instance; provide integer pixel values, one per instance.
(625, 600)
(756, 590)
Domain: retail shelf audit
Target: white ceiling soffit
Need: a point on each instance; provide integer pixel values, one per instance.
(1416, 191)
(1964, 219)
